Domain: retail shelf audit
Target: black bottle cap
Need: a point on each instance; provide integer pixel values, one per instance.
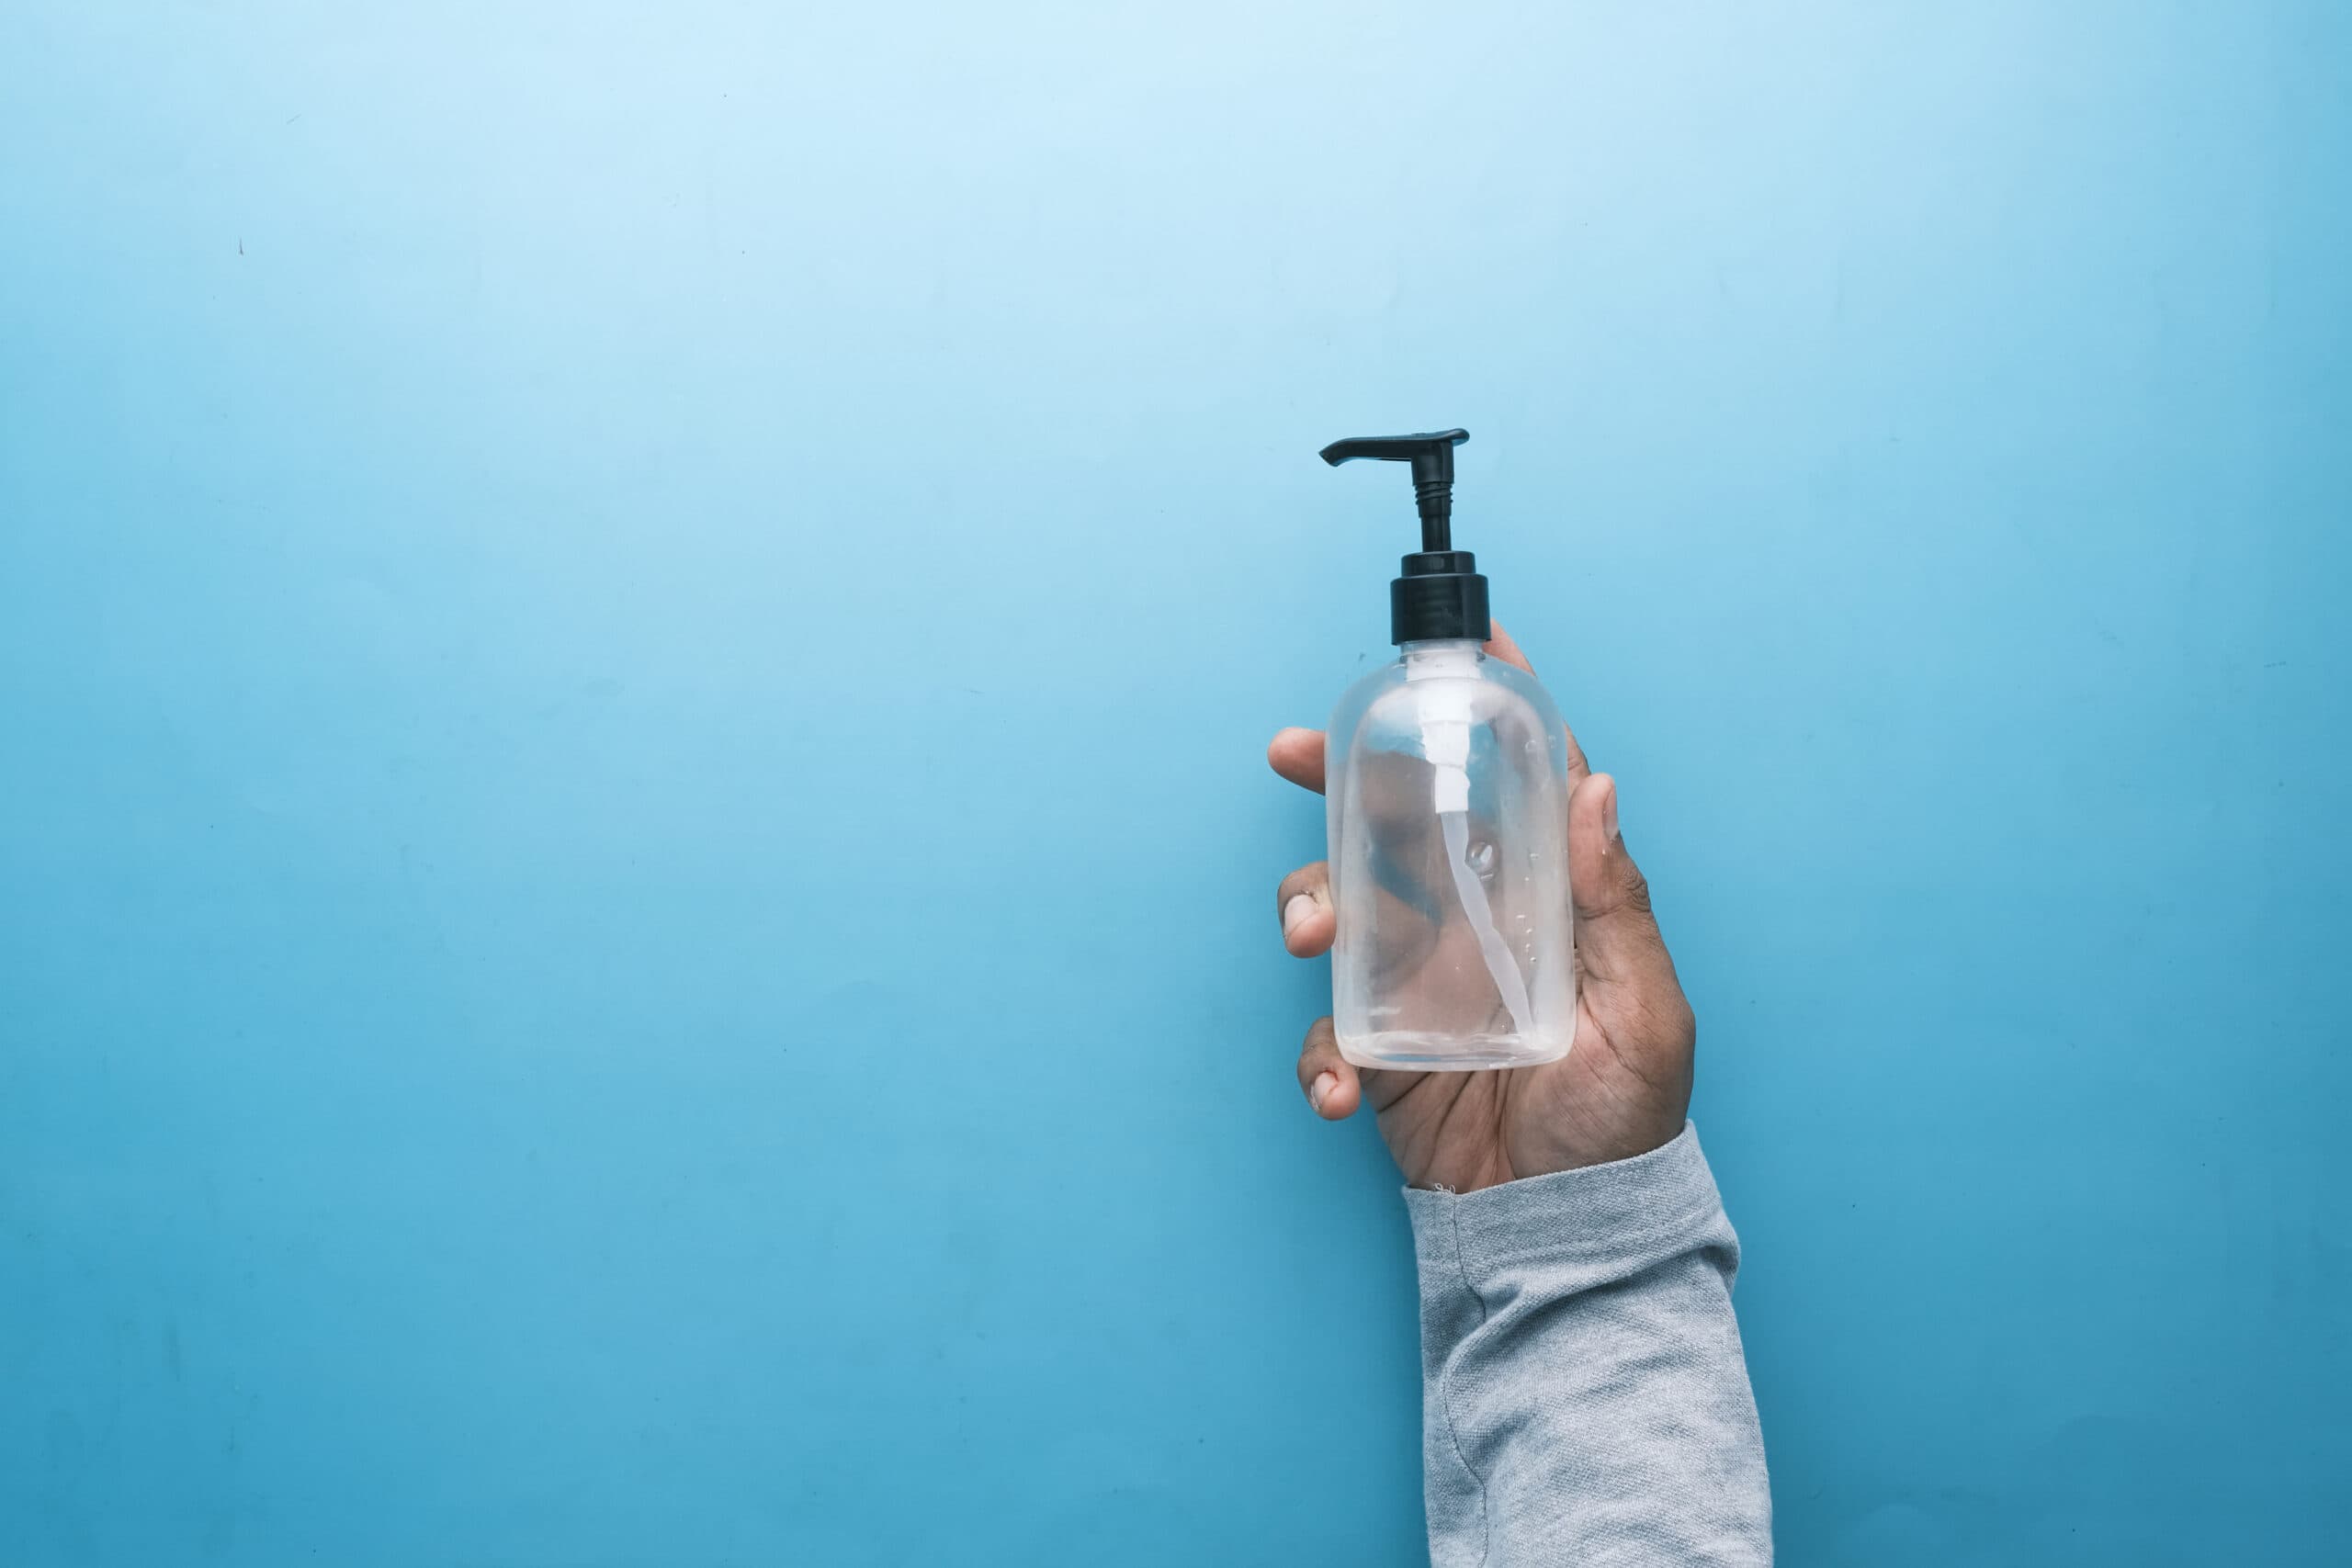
(1440, 594)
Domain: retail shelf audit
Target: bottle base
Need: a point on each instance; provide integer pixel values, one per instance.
(1418, 1052)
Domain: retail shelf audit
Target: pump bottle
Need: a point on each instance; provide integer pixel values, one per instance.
(1447, 781)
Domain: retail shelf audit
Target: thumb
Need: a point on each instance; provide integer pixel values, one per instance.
(1617, 936)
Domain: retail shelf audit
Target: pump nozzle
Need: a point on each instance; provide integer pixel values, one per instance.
(1432, 455)
(1441, 595)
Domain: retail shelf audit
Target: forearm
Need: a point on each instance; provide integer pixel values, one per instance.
(1585, 1396)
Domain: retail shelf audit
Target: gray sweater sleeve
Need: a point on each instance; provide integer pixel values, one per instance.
(1584, 1397)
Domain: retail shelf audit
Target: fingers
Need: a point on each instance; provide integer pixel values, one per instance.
(1303, 901)
(1503, 645)
(1328, 1080)
(1579, 769)
(1617, 936)
(1297, 755)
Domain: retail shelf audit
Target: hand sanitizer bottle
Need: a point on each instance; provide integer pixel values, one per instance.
(1447, 779)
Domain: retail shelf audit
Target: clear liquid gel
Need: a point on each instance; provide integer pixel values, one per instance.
(1448, 802)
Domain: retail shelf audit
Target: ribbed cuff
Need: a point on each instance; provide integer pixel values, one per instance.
(1596, 1211)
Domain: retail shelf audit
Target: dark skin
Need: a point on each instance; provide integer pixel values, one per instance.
(1624, 1087)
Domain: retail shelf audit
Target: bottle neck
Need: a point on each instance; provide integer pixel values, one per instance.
(1436, 657)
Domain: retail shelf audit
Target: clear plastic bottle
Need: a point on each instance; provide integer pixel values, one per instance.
(1448, 785)
(1447, 781)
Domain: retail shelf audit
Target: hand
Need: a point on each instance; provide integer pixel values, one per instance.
(1625, 1085)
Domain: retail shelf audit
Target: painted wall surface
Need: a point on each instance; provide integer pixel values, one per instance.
(636, 876)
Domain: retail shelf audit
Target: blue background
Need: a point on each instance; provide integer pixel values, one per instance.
(634, 649)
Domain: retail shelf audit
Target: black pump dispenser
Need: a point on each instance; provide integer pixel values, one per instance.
(1440, 594)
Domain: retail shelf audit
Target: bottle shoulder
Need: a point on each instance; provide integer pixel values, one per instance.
(1493, 692)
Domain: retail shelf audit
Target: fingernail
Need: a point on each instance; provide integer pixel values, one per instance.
(1609, 814)
(1301, 904)
(1324, 1084)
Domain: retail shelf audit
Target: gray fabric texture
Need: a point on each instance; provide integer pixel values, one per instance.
(1584, 1396)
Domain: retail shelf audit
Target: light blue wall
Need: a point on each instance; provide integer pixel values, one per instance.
(634, 642)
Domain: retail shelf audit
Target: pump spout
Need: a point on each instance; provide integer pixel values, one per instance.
(1432, 455)
(1441, 595)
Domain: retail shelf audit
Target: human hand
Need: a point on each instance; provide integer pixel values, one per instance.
(1624, 1087)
